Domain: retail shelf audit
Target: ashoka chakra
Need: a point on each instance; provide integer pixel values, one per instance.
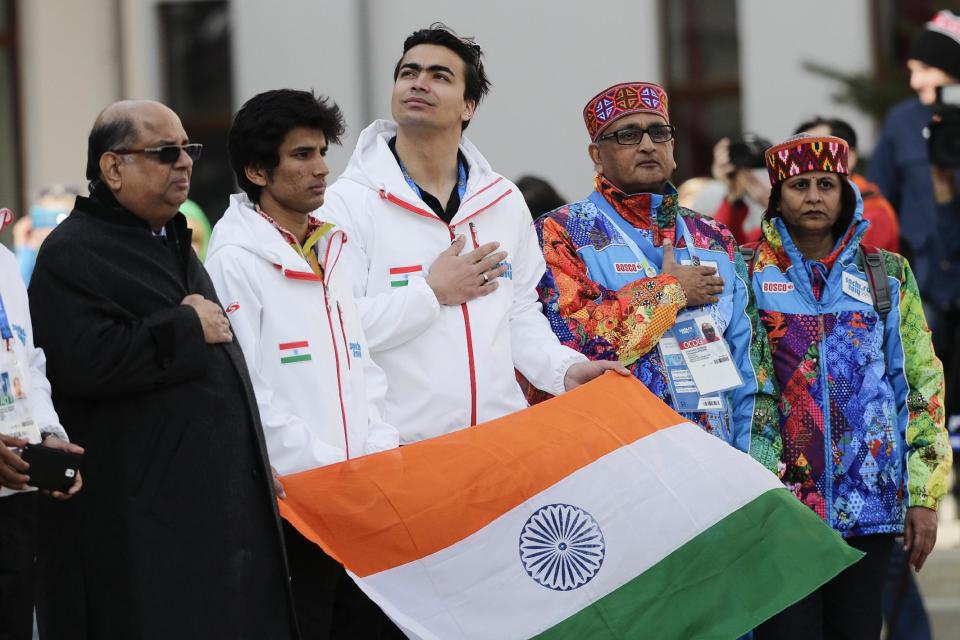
(561, 547)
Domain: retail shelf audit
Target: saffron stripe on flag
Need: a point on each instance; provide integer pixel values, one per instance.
(294, 345)
(426, 515)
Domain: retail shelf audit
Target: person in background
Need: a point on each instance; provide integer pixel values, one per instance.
(700, 194)
(50, 208)
(539, 195)
(199, 225)
(24, 366)
(861, 409)
(927, 197)
(744, 186)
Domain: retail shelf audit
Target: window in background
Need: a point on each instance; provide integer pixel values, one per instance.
(9, 112)
(895, 24)
(197, 75)
(701, 71)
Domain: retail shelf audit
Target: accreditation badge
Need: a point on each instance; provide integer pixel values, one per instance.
(16, 419)
(706, 354)
(686, 396)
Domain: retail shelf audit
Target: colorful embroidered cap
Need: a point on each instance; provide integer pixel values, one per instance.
(803, 153)
(621, 100)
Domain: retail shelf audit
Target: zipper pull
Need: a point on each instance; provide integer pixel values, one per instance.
(473, 236)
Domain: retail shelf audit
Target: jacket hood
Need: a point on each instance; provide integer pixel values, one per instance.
(241, 226)
(373, 165)
(778, 238)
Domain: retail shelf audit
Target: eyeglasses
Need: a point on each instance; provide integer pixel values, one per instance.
(167, 154)
(634, 135)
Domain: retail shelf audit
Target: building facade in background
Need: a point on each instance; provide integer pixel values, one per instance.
(729, 66)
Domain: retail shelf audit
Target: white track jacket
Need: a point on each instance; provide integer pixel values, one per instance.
(33, 361)
(447, 366)
(319, 393)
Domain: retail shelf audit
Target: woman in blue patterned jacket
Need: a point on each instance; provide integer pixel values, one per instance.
(861, 412)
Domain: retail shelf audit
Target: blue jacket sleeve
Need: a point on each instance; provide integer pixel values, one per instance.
(883, 167)
(756, 423)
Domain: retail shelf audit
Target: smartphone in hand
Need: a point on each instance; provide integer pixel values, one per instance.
(51, 469)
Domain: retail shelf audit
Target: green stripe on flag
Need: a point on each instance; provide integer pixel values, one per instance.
(301, 358)
(399, 283)
(752, 564)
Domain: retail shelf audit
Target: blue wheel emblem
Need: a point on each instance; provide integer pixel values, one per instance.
(561, 547)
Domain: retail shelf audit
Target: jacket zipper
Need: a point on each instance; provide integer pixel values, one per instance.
(336, 358)
(343, 334)
(827, 439)
(466, 324)
(312, 277)
(471, 361)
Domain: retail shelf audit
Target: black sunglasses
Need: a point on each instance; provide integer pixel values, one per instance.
(634, 135)
(167, 154)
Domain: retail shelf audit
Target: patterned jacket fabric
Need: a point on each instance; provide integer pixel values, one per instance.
(861, 411)
(598, 301)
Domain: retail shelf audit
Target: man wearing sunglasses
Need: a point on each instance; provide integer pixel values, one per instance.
(628, 270)
(179, 535)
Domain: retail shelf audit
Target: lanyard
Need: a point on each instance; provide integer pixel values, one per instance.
(642, 248)
(461, 178)
(5, 331)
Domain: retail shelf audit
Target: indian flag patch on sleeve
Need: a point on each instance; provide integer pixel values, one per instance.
(400, 276)
(294, 352)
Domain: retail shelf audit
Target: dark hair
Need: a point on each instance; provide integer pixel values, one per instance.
(115, 134)
(539, 195)
(263, 122)
(476, 82)
(848, 206)
(839, 128)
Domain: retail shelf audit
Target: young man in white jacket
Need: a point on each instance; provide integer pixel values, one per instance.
(278, 271)
(448, 329)
(23, 380)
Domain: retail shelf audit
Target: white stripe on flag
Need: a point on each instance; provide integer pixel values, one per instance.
(649, 498)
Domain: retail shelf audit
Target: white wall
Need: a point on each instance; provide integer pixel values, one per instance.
(776, 39)
(546, 59)
(66, 81)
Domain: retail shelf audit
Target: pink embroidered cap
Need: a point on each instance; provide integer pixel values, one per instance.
(622, 100)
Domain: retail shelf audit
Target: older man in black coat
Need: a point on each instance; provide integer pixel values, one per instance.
(176, 534)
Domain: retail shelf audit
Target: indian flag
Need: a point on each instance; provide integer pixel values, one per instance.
(400, 276)
(294, 351)
(600, 514)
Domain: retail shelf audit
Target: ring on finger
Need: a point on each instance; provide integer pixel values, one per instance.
(486, 278)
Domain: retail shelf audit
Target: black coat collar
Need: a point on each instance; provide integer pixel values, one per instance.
(102, 204)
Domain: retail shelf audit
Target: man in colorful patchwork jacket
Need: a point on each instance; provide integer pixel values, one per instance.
(616, 282)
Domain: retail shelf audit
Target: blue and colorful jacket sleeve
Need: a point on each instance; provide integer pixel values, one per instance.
(928, 455)
(601, 323)
(756, 424)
